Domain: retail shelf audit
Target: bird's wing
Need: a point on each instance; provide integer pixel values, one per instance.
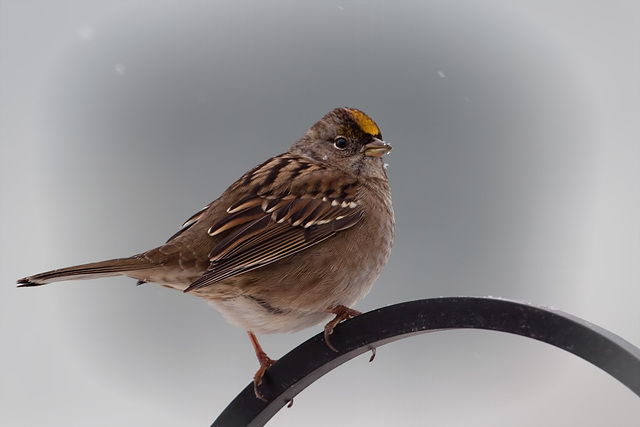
(191, 221)
(267, 226)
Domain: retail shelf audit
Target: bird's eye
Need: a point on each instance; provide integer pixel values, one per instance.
(340, 143)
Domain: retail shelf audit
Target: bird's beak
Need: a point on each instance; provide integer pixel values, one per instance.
(376, 148)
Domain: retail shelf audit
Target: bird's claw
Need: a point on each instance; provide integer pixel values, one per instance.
(342, 313)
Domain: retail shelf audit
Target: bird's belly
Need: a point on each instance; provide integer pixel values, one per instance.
(255, 315)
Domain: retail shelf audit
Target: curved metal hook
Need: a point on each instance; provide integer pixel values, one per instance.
(303, 365)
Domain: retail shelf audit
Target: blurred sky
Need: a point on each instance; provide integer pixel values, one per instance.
(515, 173)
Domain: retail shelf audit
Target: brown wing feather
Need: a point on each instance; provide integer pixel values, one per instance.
(285, 226)
(188, 223)
(282, 241)
(283, 215)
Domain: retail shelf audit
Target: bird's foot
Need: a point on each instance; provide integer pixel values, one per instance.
(342, 313)
(265, 362)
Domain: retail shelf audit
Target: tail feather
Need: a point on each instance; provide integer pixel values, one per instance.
(94, 270)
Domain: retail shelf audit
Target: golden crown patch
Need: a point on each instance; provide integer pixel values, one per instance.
(365, 123)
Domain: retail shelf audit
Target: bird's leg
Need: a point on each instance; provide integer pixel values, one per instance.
(265, 362)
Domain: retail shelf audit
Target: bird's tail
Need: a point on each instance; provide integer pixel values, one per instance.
(94, 270)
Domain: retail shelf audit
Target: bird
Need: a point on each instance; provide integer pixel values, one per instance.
(297, 240)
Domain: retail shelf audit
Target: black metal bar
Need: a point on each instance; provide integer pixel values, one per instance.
(311, 360)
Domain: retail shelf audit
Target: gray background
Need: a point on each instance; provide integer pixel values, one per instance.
(514, 174)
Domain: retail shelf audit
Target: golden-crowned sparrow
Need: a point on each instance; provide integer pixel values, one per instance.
(297, 239)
